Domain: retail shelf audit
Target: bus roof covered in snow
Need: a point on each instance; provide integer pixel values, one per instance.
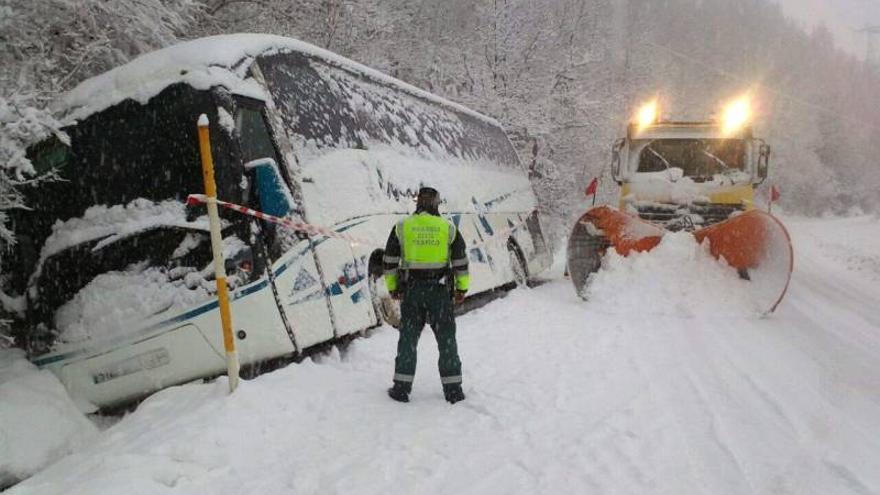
(204, 63)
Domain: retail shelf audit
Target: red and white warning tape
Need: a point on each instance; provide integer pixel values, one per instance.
(192, 199)
(308, 228)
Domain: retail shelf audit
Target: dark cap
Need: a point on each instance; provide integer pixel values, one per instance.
(428, 200)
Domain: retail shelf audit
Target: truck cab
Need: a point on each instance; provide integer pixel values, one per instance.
(686, 175)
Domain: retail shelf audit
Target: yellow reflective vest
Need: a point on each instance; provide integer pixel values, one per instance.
(425, 242)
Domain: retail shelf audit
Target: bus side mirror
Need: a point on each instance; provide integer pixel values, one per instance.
(272, 192)
(763, 161)
(615, 159)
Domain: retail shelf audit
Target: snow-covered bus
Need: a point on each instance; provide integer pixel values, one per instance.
(115, 269)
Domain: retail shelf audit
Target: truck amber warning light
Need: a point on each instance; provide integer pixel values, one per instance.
(736, 115)
(647, 114)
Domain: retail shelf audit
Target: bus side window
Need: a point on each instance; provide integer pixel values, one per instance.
(253, 135)
(268, 190)
(271, 192)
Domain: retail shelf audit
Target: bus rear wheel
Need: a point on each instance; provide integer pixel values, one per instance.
(518, 265)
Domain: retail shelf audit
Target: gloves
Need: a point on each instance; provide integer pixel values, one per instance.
(395, 294)
(459, 296)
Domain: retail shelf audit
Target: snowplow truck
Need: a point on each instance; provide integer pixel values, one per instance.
(688, 176)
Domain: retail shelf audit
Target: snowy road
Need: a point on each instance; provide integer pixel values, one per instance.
(658, 388)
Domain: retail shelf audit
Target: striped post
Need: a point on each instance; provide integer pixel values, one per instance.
(232, 364)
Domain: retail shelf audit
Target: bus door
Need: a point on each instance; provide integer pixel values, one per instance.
(346, 278)
(343, 264)
(298, 286)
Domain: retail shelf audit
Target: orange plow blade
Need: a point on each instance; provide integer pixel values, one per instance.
(759, 247)
(755, 243)
(597, 230)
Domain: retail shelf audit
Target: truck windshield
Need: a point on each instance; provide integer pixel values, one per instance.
(698, 158)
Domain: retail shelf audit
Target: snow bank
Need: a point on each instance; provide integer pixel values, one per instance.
(205, 63)
(678, 277)
(39, 423)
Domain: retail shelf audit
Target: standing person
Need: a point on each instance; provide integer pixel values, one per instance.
(426, 268)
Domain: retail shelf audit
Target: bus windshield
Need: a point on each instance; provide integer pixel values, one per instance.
(699, 159)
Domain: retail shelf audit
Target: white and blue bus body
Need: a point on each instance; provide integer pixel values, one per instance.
(297, 132)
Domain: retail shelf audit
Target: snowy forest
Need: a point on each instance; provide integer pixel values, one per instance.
(562, 76)
(688, 344)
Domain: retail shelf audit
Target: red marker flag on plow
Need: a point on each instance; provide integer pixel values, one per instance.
(774, 197)
(591, 189)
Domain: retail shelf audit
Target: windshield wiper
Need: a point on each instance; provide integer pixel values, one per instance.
(719, 161)
(665, 163)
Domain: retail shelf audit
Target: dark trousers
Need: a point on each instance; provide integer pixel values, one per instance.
(426, 301)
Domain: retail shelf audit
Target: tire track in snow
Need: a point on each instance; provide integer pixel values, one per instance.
(679, 391)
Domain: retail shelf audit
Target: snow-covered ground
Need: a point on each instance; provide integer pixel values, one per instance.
(654, 387)
(39, 423)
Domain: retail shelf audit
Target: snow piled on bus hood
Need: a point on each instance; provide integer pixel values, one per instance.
(110, 224)
(117, 304)
(204, 63)
(116, 222)
(138, 292)
(39, 423)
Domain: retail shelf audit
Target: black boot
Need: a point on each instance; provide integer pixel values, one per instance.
(453, 394)
(398, 393)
